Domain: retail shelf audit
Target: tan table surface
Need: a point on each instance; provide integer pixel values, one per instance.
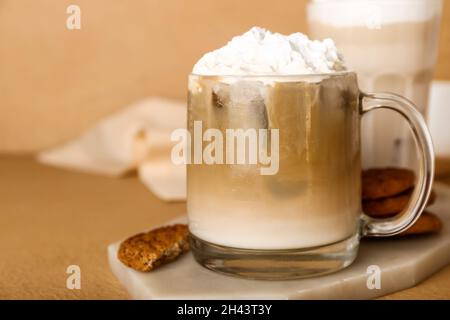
(52, 218)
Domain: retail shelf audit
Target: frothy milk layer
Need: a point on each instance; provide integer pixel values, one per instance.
(372, 13)
(261, 52)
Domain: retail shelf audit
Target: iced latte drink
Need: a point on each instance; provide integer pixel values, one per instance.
(274, 158)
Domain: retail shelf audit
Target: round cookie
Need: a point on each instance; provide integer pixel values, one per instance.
(427, 223)
(381, 183)
(389, 207)
(146, 251)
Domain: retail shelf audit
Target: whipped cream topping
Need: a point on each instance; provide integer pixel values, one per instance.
(261, 52)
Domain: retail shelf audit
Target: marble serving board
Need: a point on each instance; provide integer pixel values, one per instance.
(403, 264)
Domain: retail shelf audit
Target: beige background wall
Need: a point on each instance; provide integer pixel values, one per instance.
(55, 82)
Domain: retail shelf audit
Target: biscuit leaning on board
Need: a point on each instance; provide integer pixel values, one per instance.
(146, 251)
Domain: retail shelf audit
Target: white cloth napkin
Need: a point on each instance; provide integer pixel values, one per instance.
(136, 138)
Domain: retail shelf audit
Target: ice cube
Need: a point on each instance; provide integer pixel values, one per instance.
(291, 108)
(247, 106)
(220, 95)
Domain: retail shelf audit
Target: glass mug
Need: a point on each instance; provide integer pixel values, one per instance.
(274, 183)
(367, 32)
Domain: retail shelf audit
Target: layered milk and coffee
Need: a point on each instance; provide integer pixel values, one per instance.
(277, 163)
(392, 45)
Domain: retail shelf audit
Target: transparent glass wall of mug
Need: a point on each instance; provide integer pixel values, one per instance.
(392, 45)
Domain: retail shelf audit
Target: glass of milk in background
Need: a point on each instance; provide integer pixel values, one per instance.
(392, 45)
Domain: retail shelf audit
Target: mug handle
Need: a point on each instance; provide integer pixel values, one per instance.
(395, 225)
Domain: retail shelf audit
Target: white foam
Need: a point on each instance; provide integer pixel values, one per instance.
(261, 52)
(372, 13)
